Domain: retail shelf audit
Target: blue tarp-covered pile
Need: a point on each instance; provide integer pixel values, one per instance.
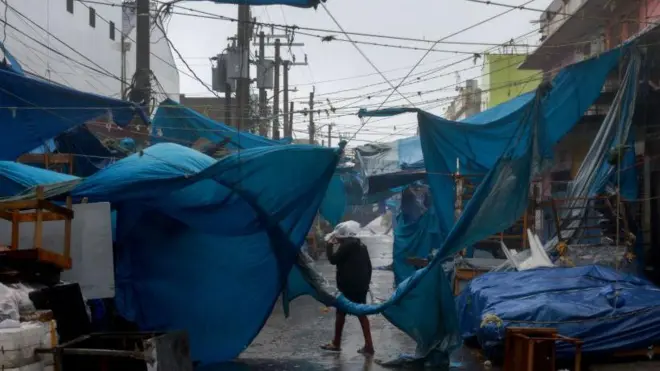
(510, 145)
(203, 245)
(606, 309)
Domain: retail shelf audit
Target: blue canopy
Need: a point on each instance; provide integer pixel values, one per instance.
(179, 124)
(295, 3)
(33, 111)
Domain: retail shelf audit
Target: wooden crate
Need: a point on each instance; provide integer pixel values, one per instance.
(37, 211)
(60, 162)
(533, 349)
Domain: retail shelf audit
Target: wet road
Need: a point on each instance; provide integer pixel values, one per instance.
(293, 343)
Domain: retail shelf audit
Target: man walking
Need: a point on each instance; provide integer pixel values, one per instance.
(353, 263)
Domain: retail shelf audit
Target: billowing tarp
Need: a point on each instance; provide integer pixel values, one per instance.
(295, 3)
(35, 111)
(206, 245)
(16, 178)
(179, 124)
(510, 149)
(606, 309)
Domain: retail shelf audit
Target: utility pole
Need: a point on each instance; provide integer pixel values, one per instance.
(142, 91)
(329, 135)
(263, 100)
(291, 120)
(285, 114)
(228, 104)
(312, 128)
(278, 61)
(276, 93)
(243, 83)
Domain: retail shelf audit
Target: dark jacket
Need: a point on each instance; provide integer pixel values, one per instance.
(353, 265)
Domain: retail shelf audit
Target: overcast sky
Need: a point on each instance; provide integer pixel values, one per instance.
(341, 74)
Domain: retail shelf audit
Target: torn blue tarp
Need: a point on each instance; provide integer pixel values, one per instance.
(294, 3)
(179, 124)
(33, 111)
(608, 310)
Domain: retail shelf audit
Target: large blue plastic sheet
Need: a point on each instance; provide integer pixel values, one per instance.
(416, 234)
(34, 111)
(606, 309)
(206, 245)
(16, 178)
(509, 150)
(182, 125)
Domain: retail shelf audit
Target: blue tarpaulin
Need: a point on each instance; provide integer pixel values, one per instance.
(206, 245)
(33, 111)
(606, 309)
(179, 124)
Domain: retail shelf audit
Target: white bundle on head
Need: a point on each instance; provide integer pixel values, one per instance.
(344, 230)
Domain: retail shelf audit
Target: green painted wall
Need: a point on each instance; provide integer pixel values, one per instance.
(502, 80)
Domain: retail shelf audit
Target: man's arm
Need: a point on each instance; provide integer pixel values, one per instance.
(336, 257)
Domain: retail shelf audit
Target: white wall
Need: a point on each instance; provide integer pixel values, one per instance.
(93, 45)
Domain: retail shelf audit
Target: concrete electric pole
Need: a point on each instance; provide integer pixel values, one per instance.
(285, 114)
(312, 128)
(287, 111)
(141, 92)
(276, 93)
(329, 135)
(243, 81)
(263, 100)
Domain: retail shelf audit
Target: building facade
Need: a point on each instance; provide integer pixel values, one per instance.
(79, 44)
(574, 30)
(503, 81)
(466, 103)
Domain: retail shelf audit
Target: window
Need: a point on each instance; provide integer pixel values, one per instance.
(112, 30)
(92, 17)
(69, 6)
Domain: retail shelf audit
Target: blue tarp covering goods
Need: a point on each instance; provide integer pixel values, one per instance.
(194, 234)
(606, 309)
(510, 147)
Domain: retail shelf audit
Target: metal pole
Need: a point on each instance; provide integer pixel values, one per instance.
(228, 104)
(123, 66)
(312, 128)
(142, 91)
(243, 83)
(276, 93)
(291, 120)
(263, 123)
(330, 135)
(285, 106)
